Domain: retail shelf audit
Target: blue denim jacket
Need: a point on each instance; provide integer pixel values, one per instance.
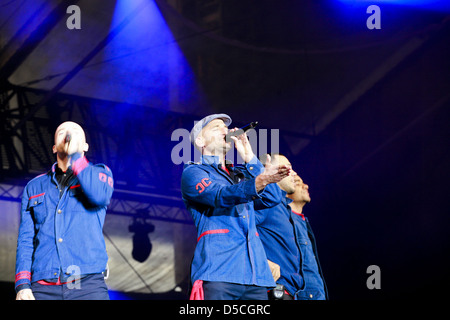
(62, 233)
(289, 241)
(223, 209)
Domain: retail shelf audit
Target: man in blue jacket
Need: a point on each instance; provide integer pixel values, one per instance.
(229, 261)
(290, 243)
(61, 251)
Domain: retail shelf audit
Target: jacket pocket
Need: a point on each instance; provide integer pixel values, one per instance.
(36, 206)
(215, 231)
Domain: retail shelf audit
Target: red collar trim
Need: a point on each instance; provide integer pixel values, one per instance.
(299, 214)
(226, 169)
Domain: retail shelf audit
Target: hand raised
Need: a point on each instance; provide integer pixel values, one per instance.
(272, 174)
(243, 146)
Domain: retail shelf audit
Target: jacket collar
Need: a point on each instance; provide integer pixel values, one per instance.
(287, 201)
(215, 160)
(210, 160)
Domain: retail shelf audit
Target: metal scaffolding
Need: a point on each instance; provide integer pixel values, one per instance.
(134, 144)
(134, 141)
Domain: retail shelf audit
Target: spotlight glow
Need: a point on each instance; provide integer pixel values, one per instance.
(146, 55)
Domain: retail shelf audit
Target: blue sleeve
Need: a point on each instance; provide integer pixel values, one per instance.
(270, 197)
(199, 187)
(25, 246)
(253, 168)
(96, 181)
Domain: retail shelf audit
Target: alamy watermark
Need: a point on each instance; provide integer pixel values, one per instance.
(260, 140)
(74, 20)
(73, 281)
(374, 20)
(374, 280)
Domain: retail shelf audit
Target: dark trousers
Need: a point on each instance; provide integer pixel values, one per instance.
(91, 287)
(232, 291)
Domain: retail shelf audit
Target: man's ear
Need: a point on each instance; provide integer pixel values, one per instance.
(86, 147)
(200, 141)
(54, 149)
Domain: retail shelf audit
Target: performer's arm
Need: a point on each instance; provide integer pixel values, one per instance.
(96, 181)
(266, 185)
(264, 175)
(198, 186)
(24, 251)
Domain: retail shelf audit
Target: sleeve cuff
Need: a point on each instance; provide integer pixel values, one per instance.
(254, 167)
(23, 278)
(78, 163)
(23, 286)
(250, 190)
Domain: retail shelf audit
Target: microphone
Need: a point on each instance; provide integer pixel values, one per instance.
(240, 131)
(68, 138)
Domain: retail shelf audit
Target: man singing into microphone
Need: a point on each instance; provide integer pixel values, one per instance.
(229, 260)
(61, 251)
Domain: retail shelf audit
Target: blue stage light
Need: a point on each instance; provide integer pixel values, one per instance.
(117, 295)
(145, 55)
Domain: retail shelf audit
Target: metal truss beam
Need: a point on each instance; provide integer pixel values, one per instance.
(139, 134)
(134, 141)
(169, 212)
(123, 202)
(146, 181)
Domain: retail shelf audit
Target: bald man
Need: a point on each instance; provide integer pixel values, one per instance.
(289, 241)
(61, 253)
